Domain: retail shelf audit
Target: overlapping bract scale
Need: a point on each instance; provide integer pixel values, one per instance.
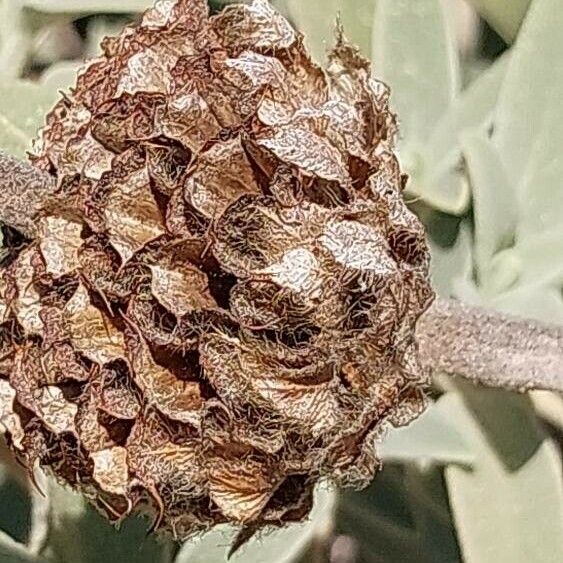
(219, 309)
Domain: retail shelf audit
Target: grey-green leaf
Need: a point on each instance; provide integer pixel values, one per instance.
(537, 301)
(60, 76)
(452, 267)
(87, 6)
(15, 39)
(473, 108)
(12, 551)
(429, 504)
(14, 515)
(22, 109)
(414, 52)
(316, 19)
(441, 181)
(280, 546)
(506, 514)
(78, 534)
(403, 516)
(542, 256)
(505, 16)
(529, 119)
(433, 437)
(495, 209)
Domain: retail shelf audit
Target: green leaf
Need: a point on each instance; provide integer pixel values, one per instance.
(542, 256)
(15, 39)
(22, 109)
(513, 449)
(79, 534)
(14, 520)
(15, 508)
(60, 76)
(414, 52)
(549, 406)
(537, 301)
(429, 504)
(87, 6)
(505, 16)
(473, 108)
(494, 205)
(12, 551)
(505, 514)
(402, 516)
(445, 188)
(280, 546)
(433, 437)
(379, 519)
(317, 20)
(452, 267)
(529, 120)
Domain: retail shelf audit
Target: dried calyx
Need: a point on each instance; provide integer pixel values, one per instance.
(216, 306)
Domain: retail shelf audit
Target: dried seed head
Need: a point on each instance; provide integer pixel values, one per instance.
(219, 308)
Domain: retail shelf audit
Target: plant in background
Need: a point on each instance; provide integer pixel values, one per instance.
(209, 298)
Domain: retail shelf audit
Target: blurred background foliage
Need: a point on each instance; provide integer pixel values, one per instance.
(478, 86)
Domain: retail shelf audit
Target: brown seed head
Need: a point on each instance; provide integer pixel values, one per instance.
(219, 308)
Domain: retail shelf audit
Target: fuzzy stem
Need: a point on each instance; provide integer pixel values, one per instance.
(483, 346)
(491, 348)
(23, 190)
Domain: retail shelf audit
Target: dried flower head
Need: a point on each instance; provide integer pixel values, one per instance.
(219, 308)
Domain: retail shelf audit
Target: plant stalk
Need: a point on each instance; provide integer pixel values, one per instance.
(491, 349)
(485, 347)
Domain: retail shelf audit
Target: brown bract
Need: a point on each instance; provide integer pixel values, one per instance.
(218, 310)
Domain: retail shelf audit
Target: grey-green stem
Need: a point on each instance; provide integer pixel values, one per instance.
(491, 349)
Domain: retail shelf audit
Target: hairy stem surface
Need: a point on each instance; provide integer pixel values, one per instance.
(490, 348)
(483, 346)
